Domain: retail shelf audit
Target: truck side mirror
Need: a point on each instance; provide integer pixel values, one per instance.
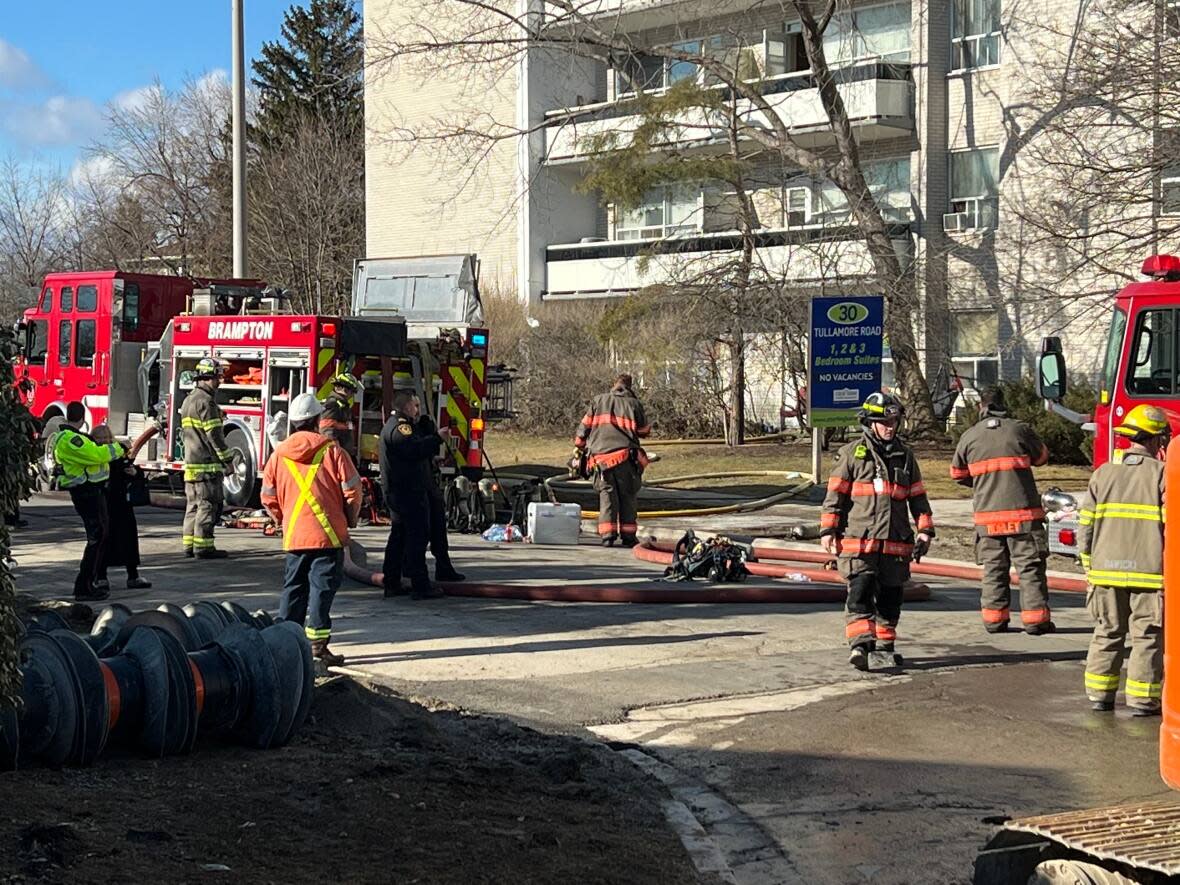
(1051, 379)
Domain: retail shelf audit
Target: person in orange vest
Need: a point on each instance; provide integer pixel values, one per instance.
(994, 459)
(311, 487)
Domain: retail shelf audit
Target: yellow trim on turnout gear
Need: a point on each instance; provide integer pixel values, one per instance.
(1102, 681)
(317, 633)
(1140, 580)
(1137, 689)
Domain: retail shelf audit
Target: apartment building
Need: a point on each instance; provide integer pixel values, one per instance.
(930, 89)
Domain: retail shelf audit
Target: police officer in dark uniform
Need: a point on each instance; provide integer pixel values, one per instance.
(407, 450)
(440, 545)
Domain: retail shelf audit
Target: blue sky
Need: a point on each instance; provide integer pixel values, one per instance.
(62, 61)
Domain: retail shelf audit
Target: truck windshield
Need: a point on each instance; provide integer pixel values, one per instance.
(1114, 344)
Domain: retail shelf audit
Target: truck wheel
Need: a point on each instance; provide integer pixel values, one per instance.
(241, 485)
(1075, 872)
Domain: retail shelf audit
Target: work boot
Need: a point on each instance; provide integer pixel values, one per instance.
(212, 553)
(93, 594)
(1141, 710)
(998, 627)
(629, 541)
(396, 589)
(428, 592)
(607, 540)
(859, 657)
(323, 654)
(448, 573)
(1040, 629)
(1101, 706)
(102, 585)
(138, 584)
(188, 553)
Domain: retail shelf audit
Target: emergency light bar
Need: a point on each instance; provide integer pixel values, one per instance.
(1162, 267)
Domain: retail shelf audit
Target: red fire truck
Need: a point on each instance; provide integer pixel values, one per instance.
(125, 345)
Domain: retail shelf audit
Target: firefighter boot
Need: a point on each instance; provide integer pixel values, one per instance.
(320, 652)
(629, 541)
(1101, 706)
(996, 627)
(1040, 629)
(212, 553)
(858, 656)
(1151, 708)
(608, 540)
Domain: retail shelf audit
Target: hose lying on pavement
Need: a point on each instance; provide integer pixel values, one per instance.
(798, 592)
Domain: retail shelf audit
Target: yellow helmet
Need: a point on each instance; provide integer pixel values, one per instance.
(1144, 421)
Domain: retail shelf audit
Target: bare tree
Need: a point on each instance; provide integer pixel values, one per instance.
(459, 36)
(32, 209)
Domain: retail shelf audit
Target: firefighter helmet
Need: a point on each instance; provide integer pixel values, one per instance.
(348, 382)
(208, 367)
(879, 406)
(1143, 422)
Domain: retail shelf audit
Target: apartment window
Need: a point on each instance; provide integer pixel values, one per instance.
(652, 72)
(639, 72)
(974, 175)
(797, 206)
(889, 183)
(975, 346)
(1153, 372)
(1170, 191)
(881, 31)
(784, 51)
(975, 34)
(664, 212)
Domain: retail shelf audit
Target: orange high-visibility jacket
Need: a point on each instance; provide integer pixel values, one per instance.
(311, 486)
(994, 459)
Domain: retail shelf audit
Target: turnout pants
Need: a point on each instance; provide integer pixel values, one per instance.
(204, 499)
(618, 499)
(1026, 553)
(90, 502)
(405, 551)
(1120, 613)
(309, 585)
(873, 606)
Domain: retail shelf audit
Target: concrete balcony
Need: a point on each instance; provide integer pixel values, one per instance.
(879, 99)
(804, 256)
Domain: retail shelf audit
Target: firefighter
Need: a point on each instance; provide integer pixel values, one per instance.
(83, 466)
(311, 487)
(610, 434)
(1121, 542)
(407, 450)
(336, 421)
(994, 459)
(875, 488)
(206, 460)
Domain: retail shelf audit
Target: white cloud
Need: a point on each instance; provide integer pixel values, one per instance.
(87, 170)
(18, 72)
(136, 99)
(60, 120)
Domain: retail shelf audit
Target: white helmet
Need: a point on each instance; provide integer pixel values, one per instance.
(305, 406)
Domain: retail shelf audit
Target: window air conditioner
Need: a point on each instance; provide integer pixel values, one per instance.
(956, 221)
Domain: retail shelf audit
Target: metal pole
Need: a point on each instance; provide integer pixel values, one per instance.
(239, 140)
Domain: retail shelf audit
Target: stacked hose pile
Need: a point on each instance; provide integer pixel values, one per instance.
(152, 680)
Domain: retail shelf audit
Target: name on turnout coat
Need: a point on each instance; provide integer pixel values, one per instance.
(311, 486)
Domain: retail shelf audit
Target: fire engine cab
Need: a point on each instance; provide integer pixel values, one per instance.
(125, 346)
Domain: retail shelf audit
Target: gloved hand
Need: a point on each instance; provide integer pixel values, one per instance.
(831, 544)
(921, 546)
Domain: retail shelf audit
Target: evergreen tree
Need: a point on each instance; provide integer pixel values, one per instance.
(312, 71)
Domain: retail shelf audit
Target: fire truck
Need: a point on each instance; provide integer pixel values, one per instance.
(125, 346)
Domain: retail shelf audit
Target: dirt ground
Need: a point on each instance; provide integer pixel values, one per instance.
(373, 789)
(507, 449)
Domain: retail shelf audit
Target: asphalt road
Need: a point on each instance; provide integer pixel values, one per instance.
(795, 767)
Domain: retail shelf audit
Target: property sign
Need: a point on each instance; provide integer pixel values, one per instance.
(844, 362)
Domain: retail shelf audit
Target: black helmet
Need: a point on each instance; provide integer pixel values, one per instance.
(880, 406)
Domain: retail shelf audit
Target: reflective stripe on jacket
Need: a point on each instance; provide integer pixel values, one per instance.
(994, 459)
(1121, 523)
(613, 425)
(311, 486)
(201, 421)
(81, 459)
(872, 494)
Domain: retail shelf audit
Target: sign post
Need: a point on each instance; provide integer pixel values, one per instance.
(843, 363)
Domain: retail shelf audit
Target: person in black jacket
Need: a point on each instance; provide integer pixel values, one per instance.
(406, 451)
(123, 544)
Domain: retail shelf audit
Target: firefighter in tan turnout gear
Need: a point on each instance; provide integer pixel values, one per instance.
(1121, 542)
(875, 489)
(610, 434)
(206, 460)
(994, 459)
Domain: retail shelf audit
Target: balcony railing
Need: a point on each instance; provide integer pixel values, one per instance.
(876, 94)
